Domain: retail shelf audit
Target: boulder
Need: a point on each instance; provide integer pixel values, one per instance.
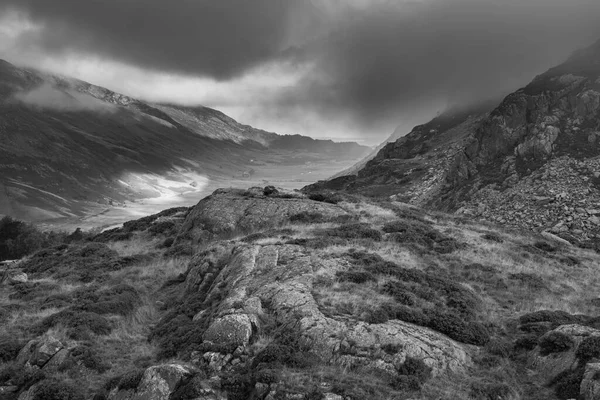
(230, 329)
(549, 366)
(38, 352)
(233, 210)
(19, 278)
(158, 383)
(590, 385)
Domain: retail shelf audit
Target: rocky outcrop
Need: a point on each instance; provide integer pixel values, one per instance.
(566, 358)
(508, 166)
(42, 352)
(281, 276)
(161, 381)
(229, 211)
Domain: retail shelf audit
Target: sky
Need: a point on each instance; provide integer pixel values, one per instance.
(341, 69)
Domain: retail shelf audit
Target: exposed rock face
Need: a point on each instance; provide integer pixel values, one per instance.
(510, 165)
(158, 383)
(234, 210)
(282, 277)
(39, 352)
(551, 365)
(590, 386)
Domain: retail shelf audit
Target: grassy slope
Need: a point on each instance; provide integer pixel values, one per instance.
(510, 273)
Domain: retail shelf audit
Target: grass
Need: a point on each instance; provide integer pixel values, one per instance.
(474, 282)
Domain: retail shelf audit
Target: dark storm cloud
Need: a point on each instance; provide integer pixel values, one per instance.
(219, 38)
(369, 62)
(396, 58)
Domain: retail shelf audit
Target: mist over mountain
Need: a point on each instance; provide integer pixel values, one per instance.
(69, 148)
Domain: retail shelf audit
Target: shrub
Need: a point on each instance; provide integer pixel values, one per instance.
(28, 291)
(354, 231)
(130, 380)
(545, 246)
(457, 329)
(588, 349)
(53, 389)
(9, 348)
(326, 197)
(556, 318)
(18, 239)
(400, 294)
(391, 349)
(526, 343)
(554, 342)
(87, 357)
(567, 383)
(163, 228)
(486, 390)
(405, 383)
(307, 217)
(168, 242)
(415, 367)
(493, 237)
(355, 276)
(531, 280)
(79, 322)
(19, 375)
(120, 299)
(420, 233)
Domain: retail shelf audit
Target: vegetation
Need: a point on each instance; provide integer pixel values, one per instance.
(123, 300)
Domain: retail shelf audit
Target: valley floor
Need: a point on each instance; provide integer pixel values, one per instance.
(284, 176)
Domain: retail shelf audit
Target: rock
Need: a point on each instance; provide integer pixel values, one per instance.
(38, 352)
(232, 210)
(282, 275)
(158, 383)
(590, 385)
(19, 278)
(332, 396)
(230, 329)
(553, 364)
(5, 390)
(555, 238)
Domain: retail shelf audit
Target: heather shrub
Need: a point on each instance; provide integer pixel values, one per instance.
(28, 291)
(80, 323)
(493, 237)
(355, 276)
(307, 217)
(554, 342)
(326, 197)
(354, 231)
(420, 233)
(567, 383)
(19, 375)
(9, 348)
(588, 349)
(54, 389)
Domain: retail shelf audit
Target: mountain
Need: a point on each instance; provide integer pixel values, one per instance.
(532, 161)
(68, 146)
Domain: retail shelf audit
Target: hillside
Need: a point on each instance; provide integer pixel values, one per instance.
(264, 294)
(530, 162)
(70, 149)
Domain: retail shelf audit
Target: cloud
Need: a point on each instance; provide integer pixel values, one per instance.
(49, 97)
(317, 67)
(215, 38)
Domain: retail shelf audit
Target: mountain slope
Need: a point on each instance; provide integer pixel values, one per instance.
(68, 146)
(532, 161)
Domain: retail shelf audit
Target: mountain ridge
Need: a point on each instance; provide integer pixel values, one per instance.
(69, 146)
(480, 163)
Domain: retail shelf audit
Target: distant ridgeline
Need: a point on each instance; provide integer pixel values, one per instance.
(83, 141)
